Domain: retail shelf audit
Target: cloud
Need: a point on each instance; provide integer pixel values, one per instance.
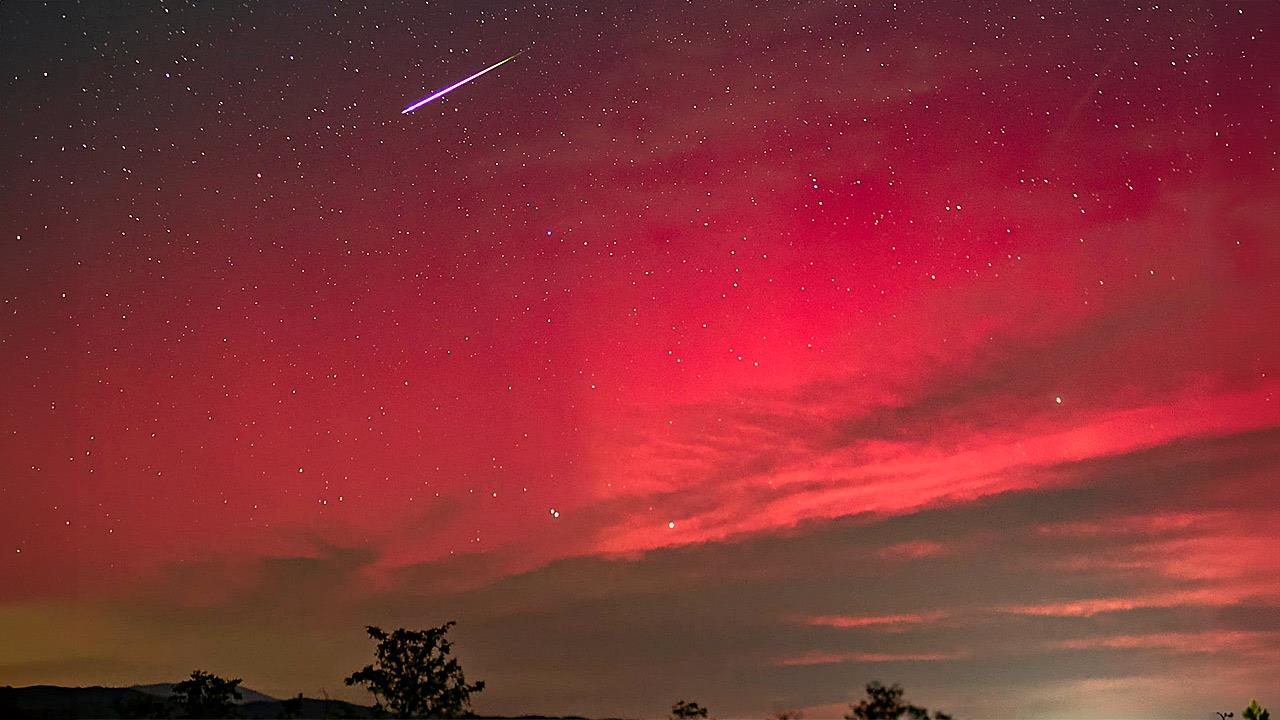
(853, 621)
(1096, 606)
(1237, 643)
(825, 658)
(801, 618)
(914, 549)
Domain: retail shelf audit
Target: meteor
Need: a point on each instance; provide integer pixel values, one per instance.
(460, 83)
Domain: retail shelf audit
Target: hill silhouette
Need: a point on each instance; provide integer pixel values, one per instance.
(53, 702)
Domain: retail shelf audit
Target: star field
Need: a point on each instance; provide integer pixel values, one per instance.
(973, 301)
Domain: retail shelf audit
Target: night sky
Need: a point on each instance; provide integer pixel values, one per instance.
(742, 353)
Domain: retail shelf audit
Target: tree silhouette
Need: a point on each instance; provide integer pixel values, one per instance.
(413, 674)
(687, 711)
(205, 695)
(1256, 712)
(886, 703)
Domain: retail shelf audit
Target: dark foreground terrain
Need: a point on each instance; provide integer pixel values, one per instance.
(51, 702)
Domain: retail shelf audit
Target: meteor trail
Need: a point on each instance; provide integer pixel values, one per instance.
(460, 83)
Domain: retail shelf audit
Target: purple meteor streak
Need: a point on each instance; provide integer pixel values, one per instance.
(460, 83)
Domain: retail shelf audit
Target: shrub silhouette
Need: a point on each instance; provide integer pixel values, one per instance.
(413, 674)
(141, 705)
(886, 703)
(1256, 712)
(205, 695)
(687, 711)
(292, 708)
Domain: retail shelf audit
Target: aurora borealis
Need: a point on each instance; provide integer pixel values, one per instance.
(738, 352)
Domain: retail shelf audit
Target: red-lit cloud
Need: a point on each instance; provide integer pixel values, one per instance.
(853, 621)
